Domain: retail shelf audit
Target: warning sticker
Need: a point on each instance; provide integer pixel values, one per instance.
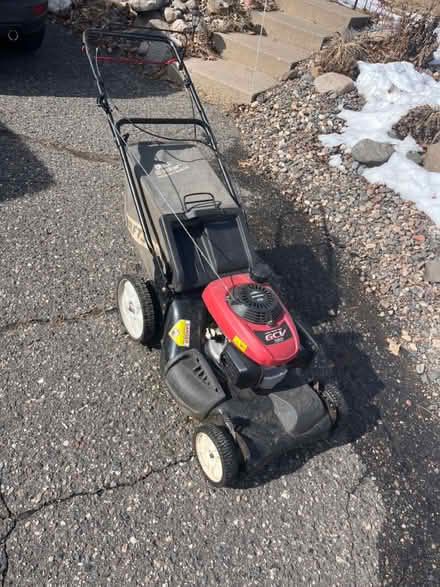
(241, 345)
(180, 333)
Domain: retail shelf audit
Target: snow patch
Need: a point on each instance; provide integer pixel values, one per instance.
(336, 161)
(390, 91)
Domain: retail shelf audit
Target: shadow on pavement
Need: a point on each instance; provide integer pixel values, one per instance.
(391, 427)
(21, 172)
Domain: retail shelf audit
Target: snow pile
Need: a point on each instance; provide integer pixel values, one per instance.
(390, 91)
(336, 161)
(60, 6)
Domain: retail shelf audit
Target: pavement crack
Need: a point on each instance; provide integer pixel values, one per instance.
(4, 558)
(58, 320)
(24, 515)
(15, 519)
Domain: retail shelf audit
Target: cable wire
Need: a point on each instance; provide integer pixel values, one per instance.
(165, 200)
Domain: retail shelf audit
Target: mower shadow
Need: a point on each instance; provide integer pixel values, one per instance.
(316, 291)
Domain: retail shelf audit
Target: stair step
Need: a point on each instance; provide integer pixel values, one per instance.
(291, 29)
(234, 82)
(274, 57)
(323, 12)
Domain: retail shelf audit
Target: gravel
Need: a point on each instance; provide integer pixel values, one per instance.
(385, 239)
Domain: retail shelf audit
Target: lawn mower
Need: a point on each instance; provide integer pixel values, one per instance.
(232, 356)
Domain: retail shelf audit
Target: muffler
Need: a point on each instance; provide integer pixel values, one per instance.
(13, 35)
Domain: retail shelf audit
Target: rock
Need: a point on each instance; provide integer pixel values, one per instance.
(431, 160)
(220, 25)
(180, 26)
(372, 153)
(307, 77)
(169, 14)
(333, 82)
(146, 5)
(416, 157)
(432, 271)
(420, 368)
(192, 5)
(179, 5)
(434, 375)
(289, 75)
(217, 6)
(202, 27)
(60, 6)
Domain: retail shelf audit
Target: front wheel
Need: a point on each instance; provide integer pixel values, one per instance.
(216, 454)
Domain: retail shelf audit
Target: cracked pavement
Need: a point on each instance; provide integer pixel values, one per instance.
(98, 485)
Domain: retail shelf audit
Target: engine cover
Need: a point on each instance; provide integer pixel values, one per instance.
(253, 318)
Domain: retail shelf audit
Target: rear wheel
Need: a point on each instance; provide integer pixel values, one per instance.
(33, 41)
(136, 308)
(336, 405)
(216, 454)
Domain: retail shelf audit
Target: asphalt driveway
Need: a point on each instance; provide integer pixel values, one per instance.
(98, 483)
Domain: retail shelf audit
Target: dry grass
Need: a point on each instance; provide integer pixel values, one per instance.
(412, 38)
(422, 123)
(420, 6)
(342, 57)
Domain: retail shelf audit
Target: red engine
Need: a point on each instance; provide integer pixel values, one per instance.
(252, 317)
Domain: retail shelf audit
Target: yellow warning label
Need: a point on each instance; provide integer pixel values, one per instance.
(239, 343)
(180, 333)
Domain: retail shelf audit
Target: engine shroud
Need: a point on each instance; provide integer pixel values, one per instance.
(253, 318)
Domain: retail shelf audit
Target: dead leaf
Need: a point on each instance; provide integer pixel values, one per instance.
(245, 164)
(393, 346)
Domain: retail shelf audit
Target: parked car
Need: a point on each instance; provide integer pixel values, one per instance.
(23, 22)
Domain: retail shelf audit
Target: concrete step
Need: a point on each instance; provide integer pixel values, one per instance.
(274, 57)
(228, 82)
(291, 29)
(323, 12)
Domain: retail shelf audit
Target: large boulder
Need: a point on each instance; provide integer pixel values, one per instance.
(333, 82)
(371, 153)
(431, 161)
(170, 14)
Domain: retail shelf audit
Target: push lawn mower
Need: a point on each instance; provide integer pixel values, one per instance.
(231, 355)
